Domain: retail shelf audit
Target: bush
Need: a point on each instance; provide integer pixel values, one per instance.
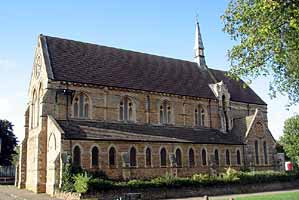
(231, 175)
(82, 181)
(200, 177)
(98, 174)
(85, 183)
(100, 184)
(67, 178)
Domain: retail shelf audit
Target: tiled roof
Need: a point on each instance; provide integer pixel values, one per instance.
(80, 62)
(99, 130)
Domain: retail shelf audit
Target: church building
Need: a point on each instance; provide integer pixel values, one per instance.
(134, 115)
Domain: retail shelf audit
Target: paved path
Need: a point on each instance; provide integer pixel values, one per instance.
(12, 193)
(226, 197)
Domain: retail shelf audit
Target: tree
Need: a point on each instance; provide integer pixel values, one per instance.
(290, 138)
(267, 36)
(9, 142)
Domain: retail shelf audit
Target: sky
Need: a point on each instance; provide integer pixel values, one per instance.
(158, 27)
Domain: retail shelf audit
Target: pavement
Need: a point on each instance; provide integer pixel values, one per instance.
(9, 192)
(227, 197)
(13, 193)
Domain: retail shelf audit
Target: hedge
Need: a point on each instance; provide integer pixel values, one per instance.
(231, 176)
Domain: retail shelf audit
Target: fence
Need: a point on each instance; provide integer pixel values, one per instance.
(7, 171)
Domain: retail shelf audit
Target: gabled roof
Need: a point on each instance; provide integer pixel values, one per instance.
(80, 62)
(99, 130)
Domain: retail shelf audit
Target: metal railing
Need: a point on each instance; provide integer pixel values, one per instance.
(7, 171)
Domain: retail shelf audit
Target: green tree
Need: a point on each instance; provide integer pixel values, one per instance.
(290, 138)
(266, 34)
(8, 143)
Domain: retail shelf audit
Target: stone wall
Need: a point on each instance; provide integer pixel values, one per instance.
(104, 105)
(143, 171)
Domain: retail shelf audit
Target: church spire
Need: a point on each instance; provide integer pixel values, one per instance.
(198, 48)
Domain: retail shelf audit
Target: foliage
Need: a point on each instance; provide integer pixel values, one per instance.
(85, 183)
(230, 175)
(100, 184)
(290, 138)
(200, 177)
(267, 33)
(9, 142)
(15, 157)
(67, 178)
(81, 182)
(98, 174)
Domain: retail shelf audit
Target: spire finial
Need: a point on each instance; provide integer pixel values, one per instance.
(198, 47)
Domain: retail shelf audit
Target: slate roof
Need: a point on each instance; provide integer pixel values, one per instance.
(80, 62)
(108, 131)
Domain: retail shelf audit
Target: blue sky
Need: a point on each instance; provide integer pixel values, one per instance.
(158, 27)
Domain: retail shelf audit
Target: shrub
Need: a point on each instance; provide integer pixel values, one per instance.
(85, 183)
(98, 174)
(100, 184)
(67, 178)
(231, 175)
(200, 177)
(82, 182)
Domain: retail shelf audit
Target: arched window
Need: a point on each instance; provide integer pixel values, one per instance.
(95, 157)
(265, 153)
(148, 157)
(199, 116)
(81, 106)
(34, 109)
(77, 157)
(256, 147)
(191, 158)
(227, 157)
(112, 157)
(238, 157)
(126, 109)
(38, 104)
(225, 113)
(163, 157)
(216, 154)
(178, 157)
(133, 157)
(204, 157)
(165, 113)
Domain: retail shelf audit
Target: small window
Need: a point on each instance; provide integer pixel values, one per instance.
(199, 116)
(256, 147)
(77, 157)
(133, 157)
(227, 157)
(81, 106)
(126, 110)
(165, 113)
(161, 114)
(95, 157)
(34, 109)
(204, 157)
(216, 154)
(148, 157)
(178, 156)
(112, 155)
(191, 158)
(163, 157)
(265, 153)
(238, 157)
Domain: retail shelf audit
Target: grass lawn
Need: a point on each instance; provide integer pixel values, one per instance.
(280, 196)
